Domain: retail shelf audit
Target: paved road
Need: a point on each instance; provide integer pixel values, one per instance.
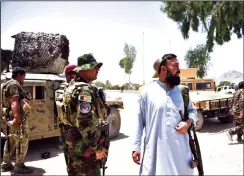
(219, 158)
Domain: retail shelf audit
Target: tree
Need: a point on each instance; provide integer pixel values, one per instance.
(224, 83)
(99, 84)
(219, 19)
(127, 62)
(108, 85)
(198, 58)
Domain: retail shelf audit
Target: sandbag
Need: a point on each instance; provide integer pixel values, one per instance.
(40, 52)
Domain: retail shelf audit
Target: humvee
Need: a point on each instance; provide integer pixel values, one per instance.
(42, 116)
(208, 102)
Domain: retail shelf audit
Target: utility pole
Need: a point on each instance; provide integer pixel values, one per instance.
(169, 46)
(143, 66)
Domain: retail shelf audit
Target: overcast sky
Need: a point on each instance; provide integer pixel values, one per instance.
(102, 28)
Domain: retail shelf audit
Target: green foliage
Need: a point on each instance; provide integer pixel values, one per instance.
(99, 84)
(198, 58)
(127, 62)
(224, 83)
(219, 19)
(108, 85)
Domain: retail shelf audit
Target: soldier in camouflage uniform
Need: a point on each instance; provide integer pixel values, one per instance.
(70, 75)
(17, 124)
(84, 110)
(237, 111)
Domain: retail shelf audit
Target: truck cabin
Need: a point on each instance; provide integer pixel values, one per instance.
(189, 77)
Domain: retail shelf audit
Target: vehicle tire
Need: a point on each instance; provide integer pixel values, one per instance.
(228, 119)
(114, 120)
(200, 120)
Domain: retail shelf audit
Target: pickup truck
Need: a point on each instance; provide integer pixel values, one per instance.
(226, 89)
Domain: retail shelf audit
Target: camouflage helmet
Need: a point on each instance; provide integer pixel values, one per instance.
(87, 61)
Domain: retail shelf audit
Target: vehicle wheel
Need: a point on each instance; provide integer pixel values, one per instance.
(114, 123)
(200, 120)
(228, 119)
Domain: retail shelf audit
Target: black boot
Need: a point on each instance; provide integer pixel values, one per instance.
(7, 168)
(22, 169)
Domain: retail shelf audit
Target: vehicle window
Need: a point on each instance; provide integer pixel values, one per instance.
(40, 92)
(29, 89)
(189, 86)
(204, 85)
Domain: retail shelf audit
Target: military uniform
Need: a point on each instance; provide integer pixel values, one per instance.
(83, 110)
(59, 95)
(237, 106)
(18, 135)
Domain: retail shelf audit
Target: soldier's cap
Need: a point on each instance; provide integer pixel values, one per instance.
(70, 68)
(159, 62)
(86, 62)
(18, 70)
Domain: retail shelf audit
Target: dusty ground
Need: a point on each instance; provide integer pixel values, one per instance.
(219, 158)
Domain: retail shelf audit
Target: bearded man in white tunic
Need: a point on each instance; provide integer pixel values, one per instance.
(166, 143)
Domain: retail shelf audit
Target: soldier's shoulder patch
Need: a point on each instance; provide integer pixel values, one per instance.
(85, 107)
(86, 98)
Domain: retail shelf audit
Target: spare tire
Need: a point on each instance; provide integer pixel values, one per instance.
(114, 121)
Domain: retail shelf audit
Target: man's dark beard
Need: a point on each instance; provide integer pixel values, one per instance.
(171, 79)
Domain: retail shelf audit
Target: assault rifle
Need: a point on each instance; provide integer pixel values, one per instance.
(104, 129)
(195, 148)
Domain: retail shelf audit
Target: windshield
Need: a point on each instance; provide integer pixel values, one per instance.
(203, 85)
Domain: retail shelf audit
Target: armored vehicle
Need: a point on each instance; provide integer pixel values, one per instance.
(44, 57)
(208, 102)
(42, 116)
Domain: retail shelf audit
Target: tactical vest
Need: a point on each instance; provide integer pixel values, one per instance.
(59, 100)
(70, 106)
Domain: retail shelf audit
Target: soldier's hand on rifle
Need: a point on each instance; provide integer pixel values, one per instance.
(183, 126)
(136, 157)
(101, 154)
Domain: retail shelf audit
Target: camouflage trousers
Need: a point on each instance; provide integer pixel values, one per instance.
(78, 165)
(239, 128)
(17, 139)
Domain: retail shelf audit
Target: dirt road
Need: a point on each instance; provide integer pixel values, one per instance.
(219, 158)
